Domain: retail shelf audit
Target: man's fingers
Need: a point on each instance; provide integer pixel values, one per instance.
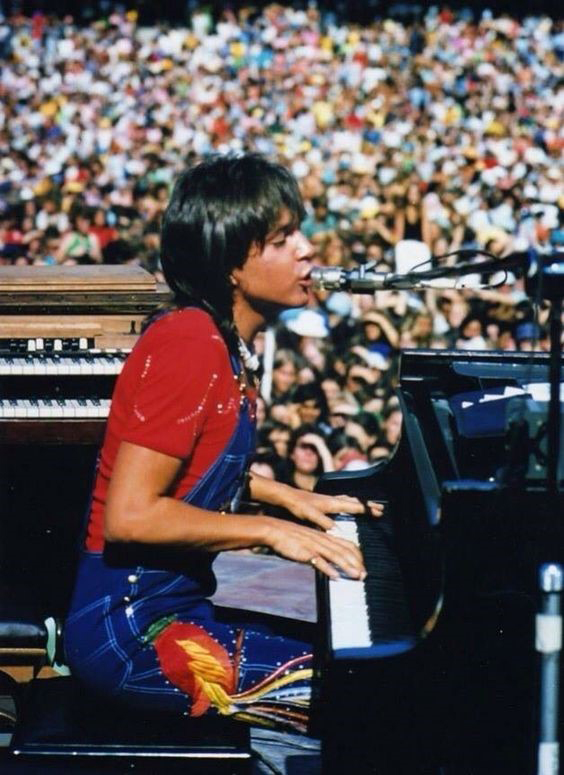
(345, 555)
(351, 505)
(321, 564)
(375, 508)
(320, 519)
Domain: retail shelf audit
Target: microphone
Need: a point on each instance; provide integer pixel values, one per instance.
(337, 278)
(364, 280)
(544, 275)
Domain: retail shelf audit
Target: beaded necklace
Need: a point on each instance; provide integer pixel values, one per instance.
(249, 358)
(247, 376)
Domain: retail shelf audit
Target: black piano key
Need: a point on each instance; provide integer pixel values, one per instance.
(388, 610)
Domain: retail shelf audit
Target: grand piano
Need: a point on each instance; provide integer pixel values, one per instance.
(429, 666)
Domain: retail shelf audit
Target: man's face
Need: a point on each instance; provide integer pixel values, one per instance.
(277, 276)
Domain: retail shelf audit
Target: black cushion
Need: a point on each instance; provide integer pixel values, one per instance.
(18, 630)
(22, 623)
(61, 718)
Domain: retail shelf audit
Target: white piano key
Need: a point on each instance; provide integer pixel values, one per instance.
(7, 410)
(98, 408)
(98, 366)
(56, 410)
(90, 409)
(20, 410)
(51, 366)
(32, 410)
(45, 409)
(86, 366)
(109, 366)
(38, 366)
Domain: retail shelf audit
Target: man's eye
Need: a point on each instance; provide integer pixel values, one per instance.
(280, 242)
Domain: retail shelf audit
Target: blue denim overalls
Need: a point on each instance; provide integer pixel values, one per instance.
(138, 612)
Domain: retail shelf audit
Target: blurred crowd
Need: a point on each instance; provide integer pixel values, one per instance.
(410, 140)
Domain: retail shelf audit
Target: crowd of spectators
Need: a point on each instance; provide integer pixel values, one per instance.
(409, 140)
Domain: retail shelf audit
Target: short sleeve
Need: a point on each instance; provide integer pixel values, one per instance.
(176, 381)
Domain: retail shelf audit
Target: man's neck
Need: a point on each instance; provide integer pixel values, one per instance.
(247, 320)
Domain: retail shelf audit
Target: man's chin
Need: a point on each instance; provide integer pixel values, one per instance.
(271, 310)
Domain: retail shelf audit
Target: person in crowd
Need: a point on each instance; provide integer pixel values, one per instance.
(471, 334)
(80, 245)
(309, 457)
(364, 426)
(309, 405)
(174, 467)
(276, 435)
(391, 424)
(284, 374)
(100, 228)
(378, 333)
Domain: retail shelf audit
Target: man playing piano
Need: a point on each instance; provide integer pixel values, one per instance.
(141, 628)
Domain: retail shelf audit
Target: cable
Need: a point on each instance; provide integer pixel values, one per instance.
(495, 265)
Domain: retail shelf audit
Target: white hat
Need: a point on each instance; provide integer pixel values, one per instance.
(376, 360)
(308, 323)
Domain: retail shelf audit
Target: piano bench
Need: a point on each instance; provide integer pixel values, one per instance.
(59, 719)
(25, 637)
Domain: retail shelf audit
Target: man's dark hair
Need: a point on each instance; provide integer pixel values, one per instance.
(218, 209)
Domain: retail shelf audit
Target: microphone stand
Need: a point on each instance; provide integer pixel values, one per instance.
(554, 416)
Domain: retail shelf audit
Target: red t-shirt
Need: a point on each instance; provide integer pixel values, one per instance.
(176, 394)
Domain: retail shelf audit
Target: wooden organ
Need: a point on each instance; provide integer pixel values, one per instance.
(64, 335)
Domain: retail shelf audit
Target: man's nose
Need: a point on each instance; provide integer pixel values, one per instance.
(304, 248)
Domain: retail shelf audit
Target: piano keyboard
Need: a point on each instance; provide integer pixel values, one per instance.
(52, 357)
(86, 364)
(52, 409)
(56, 390)
(347, 600)
(369, 618)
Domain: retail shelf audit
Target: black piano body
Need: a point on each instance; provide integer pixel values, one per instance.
(467, 524)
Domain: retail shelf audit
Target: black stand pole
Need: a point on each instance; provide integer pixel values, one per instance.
(554, 405)
(544, 278)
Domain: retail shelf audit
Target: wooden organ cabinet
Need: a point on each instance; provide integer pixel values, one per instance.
(64, 334)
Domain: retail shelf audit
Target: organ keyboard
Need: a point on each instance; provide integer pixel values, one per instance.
(429, 665)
